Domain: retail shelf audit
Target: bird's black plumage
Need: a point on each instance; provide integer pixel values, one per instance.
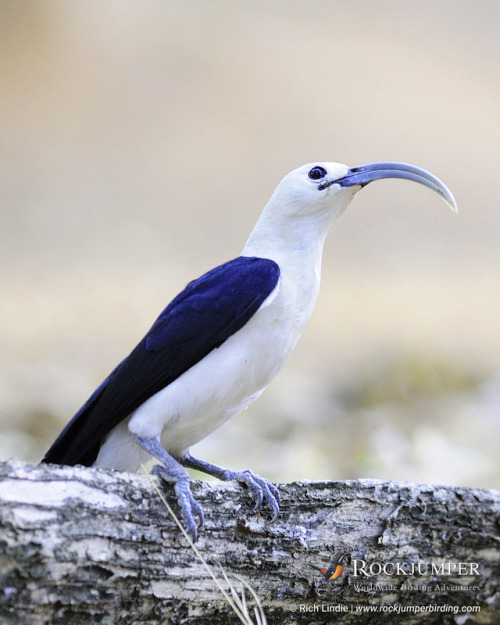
(206, 313)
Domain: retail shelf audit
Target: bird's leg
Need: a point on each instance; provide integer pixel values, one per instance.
(261, 488)
(171, 471)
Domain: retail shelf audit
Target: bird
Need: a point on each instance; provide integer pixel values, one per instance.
(334, 569)
(218, 344)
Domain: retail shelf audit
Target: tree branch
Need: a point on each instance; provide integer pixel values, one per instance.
(80, 546)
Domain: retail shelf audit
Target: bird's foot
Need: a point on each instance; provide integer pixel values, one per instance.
(172, 471)
(262, 490)
(192, 513)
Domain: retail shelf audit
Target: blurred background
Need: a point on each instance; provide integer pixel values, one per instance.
(139, 143)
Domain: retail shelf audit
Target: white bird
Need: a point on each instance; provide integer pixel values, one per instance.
(219, 343)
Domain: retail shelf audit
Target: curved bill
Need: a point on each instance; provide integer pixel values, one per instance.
(365, 174)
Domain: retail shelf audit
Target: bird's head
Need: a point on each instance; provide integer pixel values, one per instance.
(310, 197)
(328, 188)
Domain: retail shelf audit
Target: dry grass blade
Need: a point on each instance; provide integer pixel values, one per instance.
(236, 602)
(260, 616)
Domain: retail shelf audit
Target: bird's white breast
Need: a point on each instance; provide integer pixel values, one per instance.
(223, 383)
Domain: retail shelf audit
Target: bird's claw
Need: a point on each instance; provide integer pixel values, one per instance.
(263, 490)
(192, 512)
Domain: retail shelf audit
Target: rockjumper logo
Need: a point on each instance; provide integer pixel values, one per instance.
(361, 568)
(334, 569)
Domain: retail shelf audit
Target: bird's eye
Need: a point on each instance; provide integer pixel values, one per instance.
(316, 173)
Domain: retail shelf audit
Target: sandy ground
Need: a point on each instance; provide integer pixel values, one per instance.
(140, 142)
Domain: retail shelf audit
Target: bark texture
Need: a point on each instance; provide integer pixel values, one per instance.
(83, 546)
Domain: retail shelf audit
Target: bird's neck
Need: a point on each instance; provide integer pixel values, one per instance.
(297, 247)
(289, 242)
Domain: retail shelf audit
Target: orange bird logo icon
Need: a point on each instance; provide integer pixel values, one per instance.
(334, 569)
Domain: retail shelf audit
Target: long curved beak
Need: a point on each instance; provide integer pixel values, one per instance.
(364, 174)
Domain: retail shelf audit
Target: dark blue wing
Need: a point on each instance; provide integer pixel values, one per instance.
(207, 312)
